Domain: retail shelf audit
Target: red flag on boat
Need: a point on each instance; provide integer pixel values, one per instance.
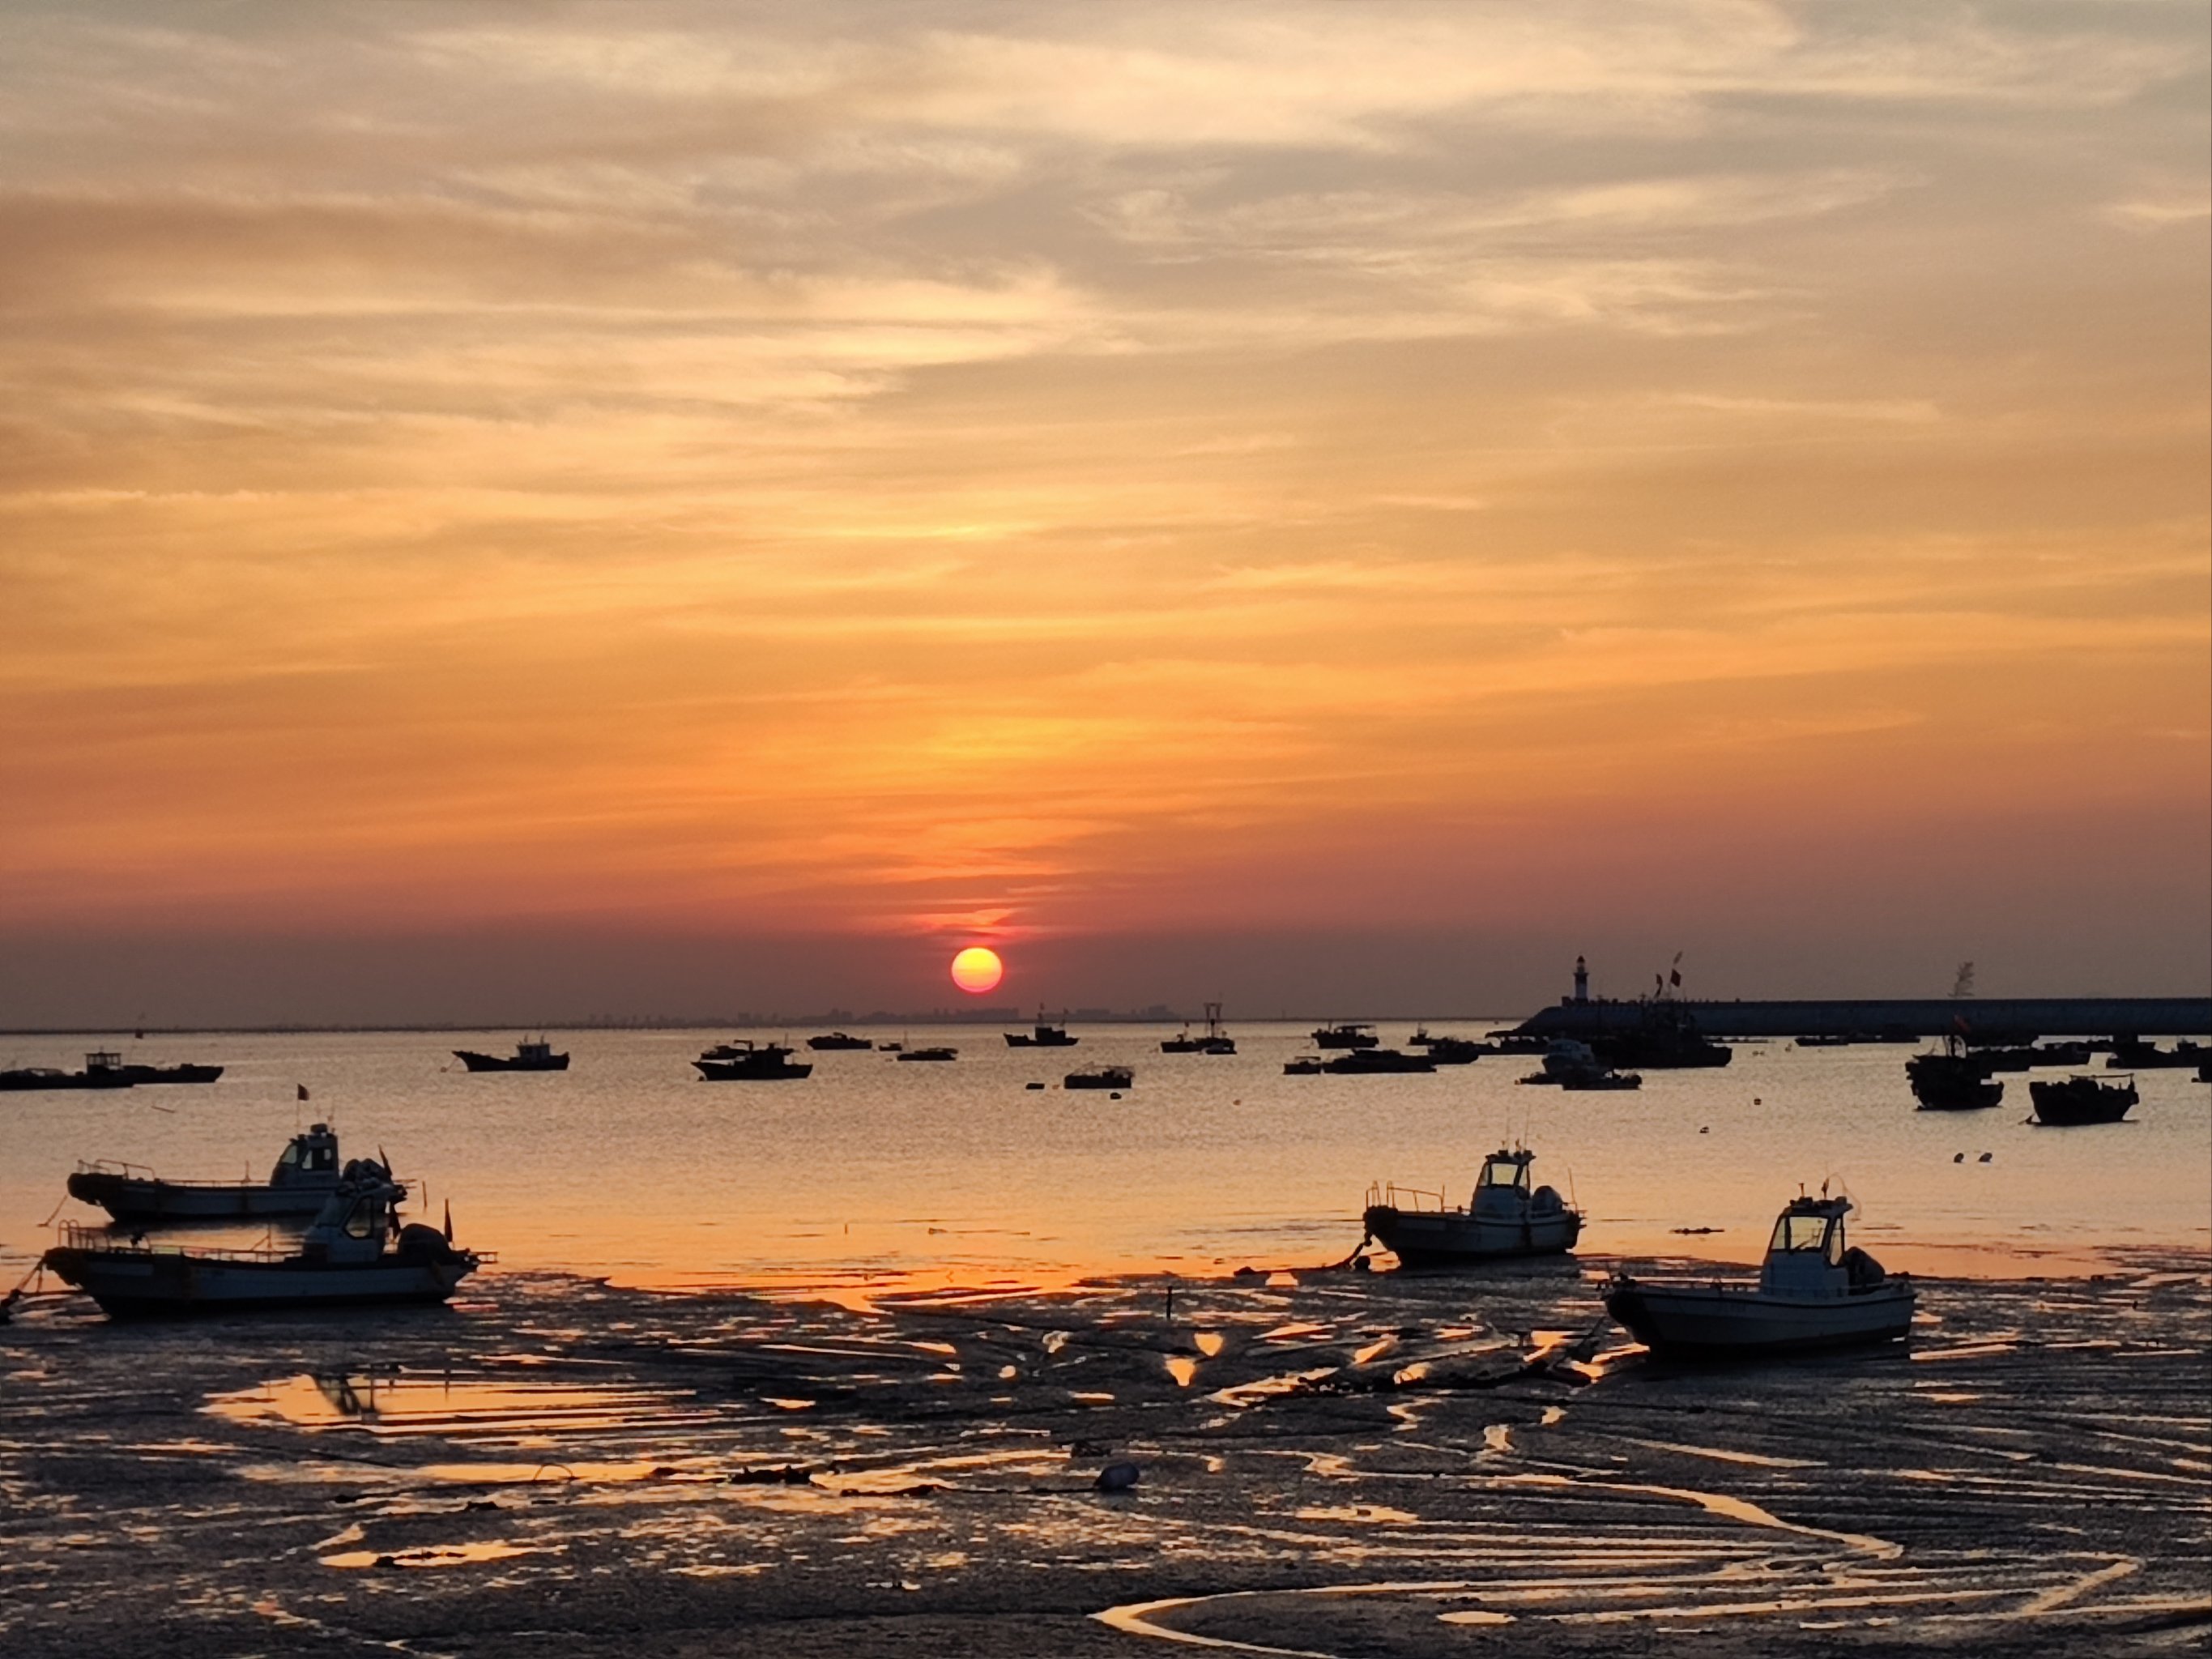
(303, 1088)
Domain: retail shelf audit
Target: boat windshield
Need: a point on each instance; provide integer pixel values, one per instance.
(1504, 1172)
(1804, 1234)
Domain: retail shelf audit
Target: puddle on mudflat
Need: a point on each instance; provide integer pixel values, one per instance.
(1208, 1343)
(438, 1555)
(1183, 1368)
(1371, 1515)
(404, 1403)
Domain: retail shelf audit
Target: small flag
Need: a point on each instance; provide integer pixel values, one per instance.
(303, 1088)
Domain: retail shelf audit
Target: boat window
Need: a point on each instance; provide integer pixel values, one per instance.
(1800, 1233)
(291, 1158)
(363, 1222)
(1503, 1172)
(323, 1157)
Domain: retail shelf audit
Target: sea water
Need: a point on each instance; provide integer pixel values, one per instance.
(875, 1174)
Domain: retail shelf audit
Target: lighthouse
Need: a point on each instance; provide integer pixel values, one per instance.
(1582, 981)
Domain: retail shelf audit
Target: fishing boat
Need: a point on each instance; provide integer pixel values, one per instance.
(838, 1040)
(1367, 1062)
(938, 1051)
(1504, 1217)
(1813, 1292)
(1303, 1065)
(1665, 1037)
(1345, 1034)
(305, 1175)
(1043, 1035)
(103, 1069)
(356, 1251)
(1100, 1077)
(1215, 1040)
(2132, 1053)
(530, 1055)
(1571, 1065)
(1457, 1051)
(1954, 1080)
(182, 1072)
(743, 1061)
(2066, 1101)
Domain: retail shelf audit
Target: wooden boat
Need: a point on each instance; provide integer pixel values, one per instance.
(305, 1175)
(356, 1252)
(743, 1061)
(1813, 1292)
(530, 1055)
(1100, 1077)
(1043, 1035)
(838, 1040)
(2066, 1101)
(1345, 1034)
(1365, 1062)
(1503, 1218)
(1954, 1080)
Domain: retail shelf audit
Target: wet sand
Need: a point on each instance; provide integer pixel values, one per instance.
(1337, 1463)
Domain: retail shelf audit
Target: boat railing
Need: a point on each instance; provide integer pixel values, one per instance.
(116, 1166)
(1391, 1195)
(81, 1236)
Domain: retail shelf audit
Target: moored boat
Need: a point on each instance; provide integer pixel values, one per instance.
(1043, 1034)
(1457, 1051)
(355, 1252)
(1504, 1217)
(1100, 1077)
(1303, 1065)
(1572, 1064)
(1955, 1080)
(743, 1061)
(305, 1175)
(1215, 1042)
(2132, 1053)
(833, 1040)
(1346, 1033)
(2068, 1101)
(103, 1069)
(938, 1051)
(530, 1055)
(1813, 1292)
(1366, 1062)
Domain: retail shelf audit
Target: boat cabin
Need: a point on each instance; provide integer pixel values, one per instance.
(1806, 1256)
(311, 1159)
(359, 1216)
(103, 1060)
(534, 1049)
(1502, 1191)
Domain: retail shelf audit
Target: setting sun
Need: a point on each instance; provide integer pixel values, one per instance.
(977, 969)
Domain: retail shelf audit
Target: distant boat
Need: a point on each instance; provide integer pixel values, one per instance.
(743, 1061)
(356, 1252)
(936, 1053)
(103, 1069)
(1503, 1218)
(1813, 1293)
(304, 1176)
(2068, 1101)
(838, 1040)
(1954, 1080)
(530, 1055)
(1457, 1051)
(1571, 1065)
(1347, 1035)
(1100, 1077)
(1363, 1063)
(2132, 1053)
(1215, 1042)
(1043, 1034)
(1303, 1065)
(1664, 1038)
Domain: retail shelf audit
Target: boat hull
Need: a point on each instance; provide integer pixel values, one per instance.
(1427, 1238)
(1719, 1321)
(2080, 1101)
(142, 1284)
(741, 1070)
(476, 1062)
(127, 1198)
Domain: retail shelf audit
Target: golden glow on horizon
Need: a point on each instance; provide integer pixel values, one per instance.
(1061, 471)
(977, 969)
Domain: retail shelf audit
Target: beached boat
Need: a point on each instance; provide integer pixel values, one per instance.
(744, 1061)
(305, 1175)
(355, 1252)
(1367, 1062)
(1100, 1077)
(1813, 1292)
(530, 1055)
(1345, 1034)
(1504, 1217)
(1043, 1035)
(2065, 1101)
(831, 1040)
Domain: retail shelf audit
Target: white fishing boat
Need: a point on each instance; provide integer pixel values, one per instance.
(355, 1252)
(1504, 1217)
(304, 1177)
(1813, 1292)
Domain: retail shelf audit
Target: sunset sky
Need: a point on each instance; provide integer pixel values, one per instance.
(510, 511)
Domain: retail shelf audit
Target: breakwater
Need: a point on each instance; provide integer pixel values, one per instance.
(1923, 1017)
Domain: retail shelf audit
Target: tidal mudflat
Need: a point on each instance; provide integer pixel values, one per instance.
(1331, 1462)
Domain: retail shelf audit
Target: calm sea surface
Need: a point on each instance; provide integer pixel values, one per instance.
(875, 1173)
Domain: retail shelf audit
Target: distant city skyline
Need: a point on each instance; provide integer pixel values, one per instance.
(513, 511)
